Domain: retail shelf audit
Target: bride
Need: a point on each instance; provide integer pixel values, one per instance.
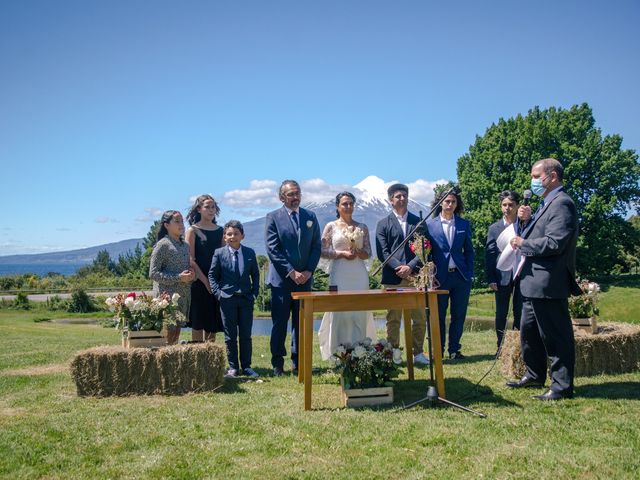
(345, 244)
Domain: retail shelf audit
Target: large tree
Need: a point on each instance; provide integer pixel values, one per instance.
(602, 178)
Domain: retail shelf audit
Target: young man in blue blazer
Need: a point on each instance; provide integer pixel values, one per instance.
(235, 281)
(452, 253)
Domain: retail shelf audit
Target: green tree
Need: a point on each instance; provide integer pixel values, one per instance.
(602, 178)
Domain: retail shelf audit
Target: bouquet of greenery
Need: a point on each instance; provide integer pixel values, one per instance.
(366, 364)
(141, 312)
(585, 305)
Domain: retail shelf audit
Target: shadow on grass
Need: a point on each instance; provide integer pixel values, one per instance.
(610, 390)
(470, 359)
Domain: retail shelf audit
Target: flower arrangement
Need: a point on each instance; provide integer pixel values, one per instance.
(355, 235)
(365, 364)
(585, 305)
(141, 312)
(426, 276)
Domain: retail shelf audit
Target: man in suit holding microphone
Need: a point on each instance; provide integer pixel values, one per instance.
(547, 278)
(292, 237)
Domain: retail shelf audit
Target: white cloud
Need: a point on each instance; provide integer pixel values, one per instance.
(422, 190)
(151, 215)
(106, 220)
(261, 193)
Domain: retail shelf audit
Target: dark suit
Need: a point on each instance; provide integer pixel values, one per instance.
(236, 294)
(547, 279)
(458, 282)
(287, 253)
(389, 235)
(504, 280)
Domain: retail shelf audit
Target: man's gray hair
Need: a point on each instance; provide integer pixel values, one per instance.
(287, 182)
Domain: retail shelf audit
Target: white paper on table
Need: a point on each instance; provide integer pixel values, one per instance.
(508, 254)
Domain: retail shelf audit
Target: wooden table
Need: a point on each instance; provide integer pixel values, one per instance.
(349, 301)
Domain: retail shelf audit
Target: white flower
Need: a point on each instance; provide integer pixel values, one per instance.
(163, 303)
(138, 305)
(359, 351)
(366, 342)
(309, 223)
(128, 302)
(341, 350)
(593, 287)
(382, 341)
(174, 298)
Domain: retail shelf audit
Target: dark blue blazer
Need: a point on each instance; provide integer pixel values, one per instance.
(388, 237)
(283, 249)
(491, 255)
(225, 281)
(549, 243)
(461, 250)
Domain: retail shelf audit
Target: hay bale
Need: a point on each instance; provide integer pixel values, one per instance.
(174, 370)
(615, 348)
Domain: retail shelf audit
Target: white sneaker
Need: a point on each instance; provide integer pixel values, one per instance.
(397, 356)
(421, 359)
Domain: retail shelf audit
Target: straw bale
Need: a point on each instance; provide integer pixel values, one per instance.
(615, 348)
(173, 370)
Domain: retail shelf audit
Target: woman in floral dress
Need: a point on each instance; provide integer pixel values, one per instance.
(170, 268)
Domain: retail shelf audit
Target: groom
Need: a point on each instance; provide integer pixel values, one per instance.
(292, 237)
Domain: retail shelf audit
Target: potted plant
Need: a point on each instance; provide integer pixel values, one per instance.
(366, 370)
(583, 308)
(142, 318)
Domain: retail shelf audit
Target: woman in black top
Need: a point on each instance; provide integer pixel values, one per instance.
(203, 237)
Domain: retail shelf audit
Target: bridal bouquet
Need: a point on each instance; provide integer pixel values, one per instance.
(141, 312)
(365, 364)
(355, 235)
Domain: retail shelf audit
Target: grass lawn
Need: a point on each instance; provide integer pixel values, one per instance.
(260, 430)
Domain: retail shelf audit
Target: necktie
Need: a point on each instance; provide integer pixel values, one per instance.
(539, 209)
(294, 216)
(236, 266)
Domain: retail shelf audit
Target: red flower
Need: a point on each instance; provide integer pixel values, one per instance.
(378, 347)
(427, 244)
(132, 294)
(412, 247)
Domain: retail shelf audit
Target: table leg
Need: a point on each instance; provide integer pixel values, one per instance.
(308, 337)
(434, 321)
(408, 341)
(301, 344)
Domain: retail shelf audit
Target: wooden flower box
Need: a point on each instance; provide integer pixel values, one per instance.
(359, 397)
(588, 324)
(143, 338)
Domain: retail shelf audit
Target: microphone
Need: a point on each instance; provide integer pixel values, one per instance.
(526, 196)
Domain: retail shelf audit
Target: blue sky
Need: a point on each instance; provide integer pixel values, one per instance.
(111, 112)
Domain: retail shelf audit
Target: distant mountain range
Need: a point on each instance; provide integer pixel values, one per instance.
(371, 205)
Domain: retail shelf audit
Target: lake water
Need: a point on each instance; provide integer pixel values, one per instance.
(40, 269)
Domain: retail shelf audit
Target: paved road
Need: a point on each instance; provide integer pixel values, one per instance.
(43, 297)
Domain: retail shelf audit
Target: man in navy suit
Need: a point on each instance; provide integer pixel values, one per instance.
(390, 231)
(500, 281)
(452, 253)
(235, 281)
(292, 237)
(547, 278)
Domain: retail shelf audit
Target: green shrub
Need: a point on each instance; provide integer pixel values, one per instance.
(57, 303)
(21, 301)
(80, 302)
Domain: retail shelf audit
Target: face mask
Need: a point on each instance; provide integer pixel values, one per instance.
(536, 186)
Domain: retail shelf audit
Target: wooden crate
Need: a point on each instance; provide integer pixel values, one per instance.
(143, 338)
(358, 397)
(588, 324)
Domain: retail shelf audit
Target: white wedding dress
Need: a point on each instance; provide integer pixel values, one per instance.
(345, 327)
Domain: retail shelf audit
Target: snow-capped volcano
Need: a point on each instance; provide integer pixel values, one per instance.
(372, 205)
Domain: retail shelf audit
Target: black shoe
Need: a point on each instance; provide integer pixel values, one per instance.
(278, 372)
(457, 355)
(550, 395)
(525, 382)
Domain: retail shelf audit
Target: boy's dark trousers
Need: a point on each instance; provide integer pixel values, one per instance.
(237, 318)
